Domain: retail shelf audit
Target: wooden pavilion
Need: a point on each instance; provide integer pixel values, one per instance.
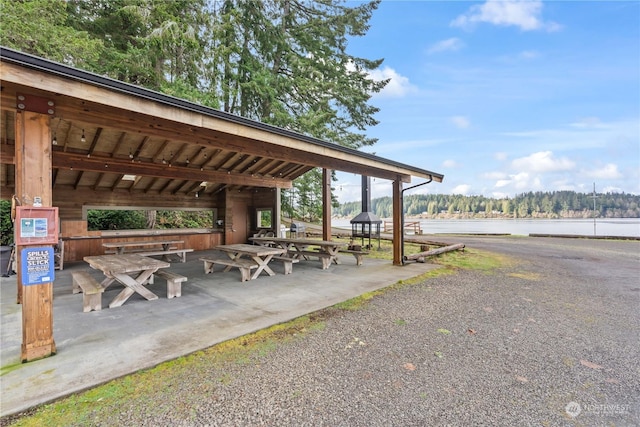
(75, 140)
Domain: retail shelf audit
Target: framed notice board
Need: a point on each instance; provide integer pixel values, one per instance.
(35, 226)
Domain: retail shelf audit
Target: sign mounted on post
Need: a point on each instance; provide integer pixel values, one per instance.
(36, 226)
(37, 265)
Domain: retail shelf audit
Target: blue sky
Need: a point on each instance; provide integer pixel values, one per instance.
(506, 97)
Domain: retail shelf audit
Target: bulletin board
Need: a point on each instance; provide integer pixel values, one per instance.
(35, 225)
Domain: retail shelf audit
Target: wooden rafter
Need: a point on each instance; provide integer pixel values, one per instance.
(94, 141)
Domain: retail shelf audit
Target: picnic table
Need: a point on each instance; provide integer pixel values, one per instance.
(325, 250)
(244, 257)
(153, 247)
(132, 270)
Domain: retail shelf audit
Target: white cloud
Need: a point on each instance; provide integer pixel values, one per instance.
(453, 44)
(494, 175)
(461, 122)
(587, 122)
(542, 161)
(611, 189)
(502, 183)
(518, 181)
(583, 134)
(529, 54)
(563, 185)
(397, 87)
(523, 14)
(499, 195)
(609, 171)
(500, 155)
(450, 164)
(462, 189)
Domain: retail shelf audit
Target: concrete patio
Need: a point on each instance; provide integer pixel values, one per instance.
(95, 347)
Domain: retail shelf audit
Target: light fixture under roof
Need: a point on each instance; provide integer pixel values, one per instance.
(129, 177)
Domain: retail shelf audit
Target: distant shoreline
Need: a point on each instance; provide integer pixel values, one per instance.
(497, 216)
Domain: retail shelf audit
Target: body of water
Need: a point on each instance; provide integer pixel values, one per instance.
(582, 227)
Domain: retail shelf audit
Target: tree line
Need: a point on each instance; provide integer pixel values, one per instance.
(556, 204)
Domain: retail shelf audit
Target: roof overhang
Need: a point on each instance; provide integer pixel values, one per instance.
(100, 105)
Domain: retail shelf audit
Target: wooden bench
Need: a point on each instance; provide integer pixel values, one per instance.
(324, 257)
(244, 265)
(359, 255)
(134, 251)
(174, 282)
(287, 262)
(181, 252)
(90, 288)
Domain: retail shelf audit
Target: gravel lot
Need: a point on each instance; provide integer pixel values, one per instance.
(549, 339)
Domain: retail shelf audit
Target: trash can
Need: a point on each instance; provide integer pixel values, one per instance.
(283, 231)
(5, 257)
(297, 229)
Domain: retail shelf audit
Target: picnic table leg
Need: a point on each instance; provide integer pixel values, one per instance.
(132, 286)
(233, 257)
(165, 247)
(334, 254)
(262, 266)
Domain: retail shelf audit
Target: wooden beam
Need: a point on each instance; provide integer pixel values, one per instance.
(101, 164)
(326, 204)
(94, 141)
(397, 222)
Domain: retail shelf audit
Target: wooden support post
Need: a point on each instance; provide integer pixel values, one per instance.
(397, 222)
(326, 204)
(33, 179)
(277, 216)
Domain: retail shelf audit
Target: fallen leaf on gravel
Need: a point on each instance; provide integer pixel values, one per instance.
(444, 331)
(590, 364)
(438, 354)
(516, 330)
(488, 309)
(471, 331)
(409, 366)
(522, 379)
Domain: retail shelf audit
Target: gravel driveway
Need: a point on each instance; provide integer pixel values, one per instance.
(551, 338)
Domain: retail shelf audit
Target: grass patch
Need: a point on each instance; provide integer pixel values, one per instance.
(473, 259)
(358, 302)
(526, 276)
(9, 368)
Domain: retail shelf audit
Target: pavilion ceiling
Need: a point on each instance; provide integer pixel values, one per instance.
(110, 159)
(101, 158)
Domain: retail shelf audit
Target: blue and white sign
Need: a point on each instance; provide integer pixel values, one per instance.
(37, 265)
